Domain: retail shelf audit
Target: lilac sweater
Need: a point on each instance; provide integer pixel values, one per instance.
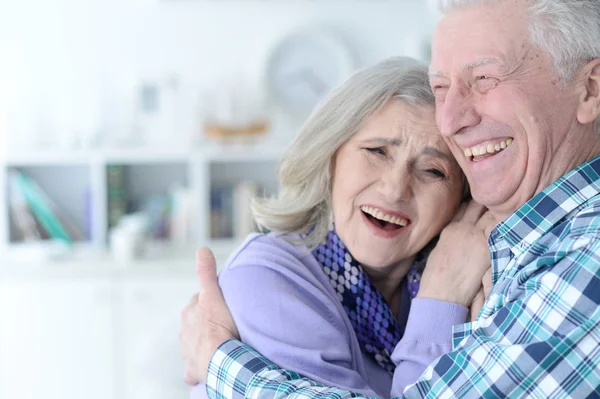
(285, 308)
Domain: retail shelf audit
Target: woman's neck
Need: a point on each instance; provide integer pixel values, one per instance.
(388, 281)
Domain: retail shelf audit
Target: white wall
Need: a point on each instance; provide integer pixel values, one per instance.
(72, 64)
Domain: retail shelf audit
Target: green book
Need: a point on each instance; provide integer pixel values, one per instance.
(41, 208)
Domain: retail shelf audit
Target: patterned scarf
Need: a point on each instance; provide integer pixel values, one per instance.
(374, 323)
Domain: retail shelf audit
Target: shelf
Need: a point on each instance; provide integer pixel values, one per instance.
(48, 260)
(154, 179)
(142, 155)
(44, 157)
(241, 153)
(212, 152)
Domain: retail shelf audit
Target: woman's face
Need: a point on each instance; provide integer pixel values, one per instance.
(395, 185)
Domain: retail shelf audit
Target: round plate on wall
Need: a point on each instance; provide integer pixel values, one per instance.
(304, 67)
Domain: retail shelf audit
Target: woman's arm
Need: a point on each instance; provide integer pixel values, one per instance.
(284, 311)
(428, 335)
(290, 321)
(300, 330)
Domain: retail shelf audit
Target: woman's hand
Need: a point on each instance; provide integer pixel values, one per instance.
(206, 322)
(457, 264)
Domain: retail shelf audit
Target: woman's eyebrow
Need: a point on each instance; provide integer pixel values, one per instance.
(385, 141)
(428, 150)
(435, 152)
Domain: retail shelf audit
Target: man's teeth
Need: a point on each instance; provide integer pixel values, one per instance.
(487, 149)
(377, 214)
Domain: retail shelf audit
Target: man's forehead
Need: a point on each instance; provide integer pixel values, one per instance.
(490, 34)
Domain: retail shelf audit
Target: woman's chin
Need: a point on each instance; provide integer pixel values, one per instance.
(378, 262)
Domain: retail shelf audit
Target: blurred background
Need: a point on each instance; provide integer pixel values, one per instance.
(132, 132)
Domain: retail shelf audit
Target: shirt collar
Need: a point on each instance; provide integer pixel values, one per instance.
(540, 214)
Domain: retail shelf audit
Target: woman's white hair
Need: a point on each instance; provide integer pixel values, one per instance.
(303, 203)
(568, 30)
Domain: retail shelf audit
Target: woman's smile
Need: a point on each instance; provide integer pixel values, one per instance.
(384, 223)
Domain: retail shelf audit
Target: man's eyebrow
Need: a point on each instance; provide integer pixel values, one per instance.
(436, 153)
(470, 65)
(436, 74)
(483, 62)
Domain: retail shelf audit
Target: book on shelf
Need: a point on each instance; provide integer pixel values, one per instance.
(183, 214)
(230, 210)
(22, 216)
(243, 224)
(35, 215)
(116, 191)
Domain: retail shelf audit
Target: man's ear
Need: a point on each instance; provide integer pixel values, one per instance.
(589, 107)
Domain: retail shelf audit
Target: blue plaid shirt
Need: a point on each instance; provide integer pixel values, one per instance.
(538, 334)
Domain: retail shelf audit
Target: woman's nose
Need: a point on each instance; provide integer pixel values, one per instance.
(396, 185)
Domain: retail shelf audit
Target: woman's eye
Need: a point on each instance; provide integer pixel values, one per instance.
(436, 172)
(376, 150)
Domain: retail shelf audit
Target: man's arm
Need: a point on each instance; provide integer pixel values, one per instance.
(544, 341)
(238, 371)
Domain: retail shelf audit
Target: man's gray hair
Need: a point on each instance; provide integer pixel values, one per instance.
(568, 30)
(303, 204)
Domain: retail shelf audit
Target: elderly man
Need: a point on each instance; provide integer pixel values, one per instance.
(517, 84)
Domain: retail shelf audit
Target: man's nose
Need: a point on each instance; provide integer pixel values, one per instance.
(457, 111)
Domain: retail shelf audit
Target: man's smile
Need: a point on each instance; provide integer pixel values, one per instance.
(480, 151)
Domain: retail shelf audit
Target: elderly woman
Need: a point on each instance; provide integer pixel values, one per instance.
(332, 291)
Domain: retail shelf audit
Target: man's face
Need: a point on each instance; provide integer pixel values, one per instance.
(499, 104)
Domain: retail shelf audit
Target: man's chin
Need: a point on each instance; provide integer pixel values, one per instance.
(500, 202)
(491, 194)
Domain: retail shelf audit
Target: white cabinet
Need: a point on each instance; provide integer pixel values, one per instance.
(151, 355)
(89, 331)
(56, 339)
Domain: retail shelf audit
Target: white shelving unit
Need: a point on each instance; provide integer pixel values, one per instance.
(128, 310)
(66, 176)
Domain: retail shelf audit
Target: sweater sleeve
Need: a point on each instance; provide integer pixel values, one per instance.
(428, 335)
(293, 322)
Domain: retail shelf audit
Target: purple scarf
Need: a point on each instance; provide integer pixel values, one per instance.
(374, 323)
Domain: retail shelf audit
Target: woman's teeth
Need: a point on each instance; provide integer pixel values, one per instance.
(377, 214)
(487, 149)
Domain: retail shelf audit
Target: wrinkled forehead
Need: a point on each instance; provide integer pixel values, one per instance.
(492, 33)
(403, 118)
(403, 125)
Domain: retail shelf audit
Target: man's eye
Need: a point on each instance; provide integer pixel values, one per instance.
(436, 172)
(439, 91)
(484, 83)
(376, 150)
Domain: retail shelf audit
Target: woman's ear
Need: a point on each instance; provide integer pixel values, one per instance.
(589, 107)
